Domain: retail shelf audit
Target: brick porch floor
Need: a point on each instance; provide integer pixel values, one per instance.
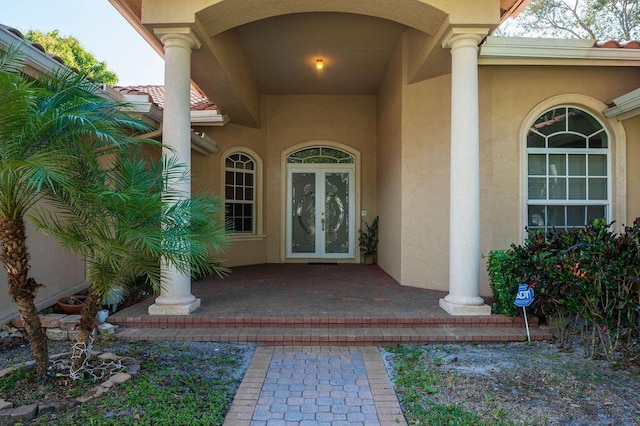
(316, 304)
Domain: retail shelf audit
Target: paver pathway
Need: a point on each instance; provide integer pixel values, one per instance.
(315, 385)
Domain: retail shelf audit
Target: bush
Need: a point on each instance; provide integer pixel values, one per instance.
(587, 283)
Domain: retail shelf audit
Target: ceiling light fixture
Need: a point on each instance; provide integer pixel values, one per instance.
(319, 64)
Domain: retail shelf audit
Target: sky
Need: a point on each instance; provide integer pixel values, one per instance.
(100, 29)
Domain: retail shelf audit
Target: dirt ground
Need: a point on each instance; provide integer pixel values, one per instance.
(536, 384)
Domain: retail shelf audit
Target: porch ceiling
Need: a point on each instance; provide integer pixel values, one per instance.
(282, 51)
(271, 48)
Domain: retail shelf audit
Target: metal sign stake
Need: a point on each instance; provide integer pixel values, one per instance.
(526, 323)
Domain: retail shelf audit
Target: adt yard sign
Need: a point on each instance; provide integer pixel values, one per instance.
(524, 296)
(523, 299)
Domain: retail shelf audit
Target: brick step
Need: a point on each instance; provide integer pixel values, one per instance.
(334, 336)
(492, 321)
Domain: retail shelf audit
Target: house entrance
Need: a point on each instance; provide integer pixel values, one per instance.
(320, 204)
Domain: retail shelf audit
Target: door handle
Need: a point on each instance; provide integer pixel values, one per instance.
(322, 221)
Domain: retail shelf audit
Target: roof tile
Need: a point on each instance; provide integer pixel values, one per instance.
(616, 44)
(199, 102)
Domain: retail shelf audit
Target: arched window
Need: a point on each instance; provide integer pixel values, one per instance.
(320, 154)
(568, 170)
(240, 187)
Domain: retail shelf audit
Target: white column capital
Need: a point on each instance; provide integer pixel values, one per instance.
(178, 36)
(464, 36)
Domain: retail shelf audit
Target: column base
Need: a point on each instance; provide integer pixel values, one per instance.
(456, 309)
(174, 309)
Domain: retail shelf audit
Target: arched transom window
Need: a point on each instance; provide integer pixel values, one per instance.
(568, 170)
(320, 154)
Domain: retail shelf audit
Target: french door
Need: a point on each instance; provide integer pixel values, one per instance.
(320, 211)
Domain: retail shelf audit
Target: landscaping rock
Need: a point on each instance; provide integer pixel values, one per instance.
(5, 371)
(120, 378)
(5, 414)
(92, 393)
(107, 384)
(51, 320)
(24, 412)
(133, 369)
(5, 404)
(60, 355)
(17, 322)
(52, 407)
(106, 328)
(57, 334)
(73, 335)
(108, 356)
(70, 322)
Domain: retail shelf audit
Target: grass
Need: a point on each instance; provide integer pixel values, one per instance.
(176, 385)
(418, 378)
(23, 386)
(521, 384)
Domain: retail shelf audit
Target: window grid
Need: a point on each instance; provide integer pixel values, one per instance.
(320, 154)
(567, 170)
(240, 184)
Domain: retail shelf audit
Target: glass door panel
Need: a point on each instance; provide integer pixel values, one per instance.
(336, 213)
(320, 216)
(303, 209)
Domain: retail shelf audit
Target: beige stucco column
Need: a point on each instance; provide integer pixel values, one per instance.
(175, 297)
(464, 204)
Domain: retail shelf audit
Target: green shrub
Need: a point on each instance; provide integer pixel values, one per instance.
(504, 277)
(586, 281)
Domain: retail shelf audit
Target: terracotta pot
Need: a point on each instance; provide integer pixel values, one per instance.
(72, 304)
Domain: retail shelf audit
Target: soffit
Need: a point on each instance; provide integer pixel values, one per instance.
(355, 49)
(225, 15)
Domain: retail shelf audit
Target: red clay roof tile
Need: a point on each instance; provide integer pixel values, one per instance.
(199, 102)
(616, 44)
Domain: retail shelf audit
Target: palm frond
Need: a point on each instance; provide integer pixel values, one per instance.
(12, 60)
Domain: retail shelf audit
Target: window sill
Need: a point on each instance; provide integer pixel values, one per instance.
(246, 237)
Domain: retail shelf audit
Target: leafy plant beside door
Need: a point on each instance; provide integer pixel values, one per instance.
(368, 241)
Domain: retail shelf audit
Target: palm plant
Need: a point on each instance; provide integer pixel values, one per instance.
(42, 122)
(124, 218)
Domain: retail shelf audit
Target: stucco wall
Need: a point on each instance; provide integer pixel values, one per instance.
(208, 175)
(292, 120)
(533, 86)
(425, 189)
(507, 96)
(289, 121)
(60, 272)
(403, 136)
(632, 128)
(390, 148)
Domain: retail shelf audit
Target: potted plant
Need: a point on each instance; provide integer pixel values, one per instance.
(72, 304)
(368, 242)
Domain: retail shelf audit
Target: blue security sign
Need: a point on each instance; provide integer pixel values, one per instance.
(524, 297)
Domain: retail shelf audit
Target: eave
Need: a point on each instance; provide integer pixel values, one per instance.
(625, 106)
(35, 59)
(558, 52)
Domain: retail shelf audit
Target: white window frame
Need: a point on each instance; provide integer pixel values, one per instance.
(617, 146)
(257, 191)
(566, 202)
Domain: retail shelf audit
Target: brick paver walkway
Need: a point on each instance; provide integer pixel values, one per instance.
(315, 385)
